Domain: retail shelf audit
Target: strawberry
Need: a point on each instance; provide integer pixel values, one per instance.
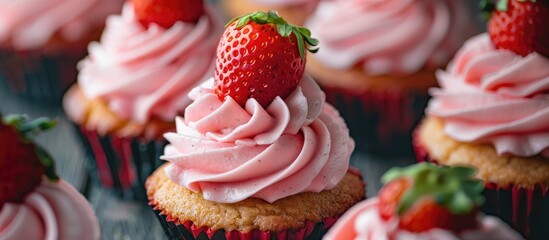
(428, 214)
(167, 12)
(390, 197)
(260, 56)
(426, 197)
(22, 162)
(521, 26)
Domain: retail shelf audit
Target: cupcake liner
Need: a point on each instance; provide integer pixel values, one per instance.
(38, 76)
(189, 231)
(526, 210)
(381, 122)
(122, 164)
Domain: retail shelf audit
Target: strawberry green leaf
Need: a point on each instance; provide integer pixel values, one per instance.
(303, 35)
(450, 187)
(22, 123)
(48, 162)
(502, 5)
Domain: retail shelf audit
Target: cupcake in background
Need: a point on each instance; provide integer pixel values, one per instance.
(377, 60)
(294, 11)
(258, 154)
(423, 202)
(34, 203)
(42, 40)
(492, 112)
(135, 81)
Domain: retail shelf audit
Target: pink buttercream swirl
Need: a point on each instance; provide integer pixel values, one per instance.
(54, 211)
(495, 96)
(230, 153)
(363, 222)
(389, 36)
(147, 72)
(29, 24)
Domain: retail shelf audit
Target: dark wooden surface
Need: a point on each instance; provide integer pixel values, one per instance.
(120, 219)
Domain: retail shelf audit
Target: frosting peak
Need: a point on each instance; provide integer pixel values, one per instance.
(147, 72)
(495, 96)
(389, 36)
(54, 211)
(230, 153)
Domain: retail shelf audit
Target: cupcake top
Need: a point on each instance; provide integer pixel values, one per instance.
(38, 206)
(266, 134)
(396, 37)
(54, 210)
(423, 202)
(145, 71)
(363, 222)
(494, 93)
(31, 24)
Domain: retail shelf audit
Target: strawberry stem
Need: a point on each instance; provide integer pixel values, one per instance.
(303, 35)
(451, 187)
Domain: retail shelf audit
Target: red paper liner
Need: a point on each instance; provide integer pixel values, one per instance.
(122, 164)
(381, 122)
(38, 76)
(189, 231)
(526, 210)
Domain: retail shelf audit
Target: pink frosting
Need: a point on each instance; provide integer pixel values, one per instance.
(230, 153)
(54, 211)
(363, 222)
(147, 72)
(30, 24)
(495, 96)
(389, 36)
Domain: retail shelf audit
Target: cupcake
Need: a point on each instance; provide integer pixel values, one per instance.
(377, 60)
(294, 11)
(135, 81)
(34, 203)
(492, 113)
(423, 202)
(255, 162)
(41, 42)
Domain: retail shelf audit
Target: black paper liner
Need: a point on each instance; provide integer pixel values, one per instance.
(121, 164)
(381, 122)
(37, 76)
(189, 231)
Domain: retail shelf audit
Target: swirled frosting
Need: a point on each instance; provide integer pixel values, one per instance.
(230, 153)
(54, 211)
(147, 72)
(396, 37)
(495, 96)
(30, 24)
(363, 222)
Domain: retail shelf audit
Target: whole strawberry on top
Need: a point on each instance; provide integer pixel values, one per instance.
(23, 164)
(521, 26)
(166, 12)
(426, 197)
(261, 56)
(423, 201)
